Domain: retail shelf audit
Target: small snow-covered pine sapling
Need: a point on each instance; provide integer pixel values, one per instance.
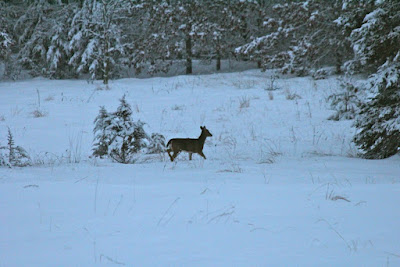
(126, 137)
(10, 146)
(102, 137)
(344, 103)
(12, 155)
(128, 142)
(118, 136)
(120, 131)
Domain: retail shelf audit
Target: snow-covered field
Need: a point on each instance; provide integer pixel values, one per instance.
(281, 185)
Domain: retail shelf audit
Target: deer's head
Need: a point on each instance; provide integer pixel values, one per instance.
(204, 131)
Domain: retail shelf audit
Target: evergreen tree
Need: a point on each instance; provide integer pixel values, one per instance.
(101, 137)
(5, 44)
(121, 131)
(8, 15)
(375, 39)
(96, 45)
(17, 156)
(127, 138)
(345, 103)
(378, 122)
(10, 147)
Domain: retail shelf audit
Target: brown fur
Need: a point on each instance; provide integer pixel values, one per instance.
(189, 145)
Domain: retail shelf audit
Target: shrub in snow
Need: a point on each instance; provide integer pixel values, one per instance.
(320, 74)
(157, 144)
(118, 136)
(378, 121)
(344, 103)
(3, 160)
(12, 155)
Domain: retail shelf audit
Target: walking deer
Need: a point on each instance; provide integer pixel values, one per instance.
(189, 145)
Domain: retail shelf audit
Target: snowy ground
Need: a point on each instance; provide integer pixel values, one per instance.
(280, 186)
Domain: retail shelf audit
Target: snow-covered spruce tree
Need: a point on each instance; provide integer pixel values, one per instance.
(373, 30)
(5, 40)
(5, 37)
(378, 122)
(118, 136)
(96, 45)
(42, 39)
(127, 137)
(375, 41)
(120, 131)
(101, 136)
(5, 44)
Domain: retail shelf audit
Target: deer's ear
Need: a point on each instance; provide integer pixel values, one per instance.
(201, 127)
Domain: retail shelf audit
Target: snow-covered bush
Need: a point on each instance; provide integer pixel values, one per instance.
(157, 144)
(121, 138)
(3, 160)
(320, 74)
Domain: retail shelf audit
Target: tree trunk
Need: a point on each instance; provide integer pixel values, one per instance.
(106, 67)
(189, 54)
(338, 63)
(218, 61)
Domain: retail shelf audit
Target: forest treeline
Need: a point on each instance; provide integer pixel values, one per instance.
(66, 38)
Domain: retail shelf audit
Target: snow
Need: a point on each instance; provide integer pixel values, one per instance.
(280, 185)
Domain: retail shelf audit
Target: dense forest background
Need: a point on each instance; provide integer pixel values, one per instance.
(99, 39)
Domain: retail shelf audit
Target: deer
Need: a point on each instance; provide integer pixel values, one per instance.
(189, 145)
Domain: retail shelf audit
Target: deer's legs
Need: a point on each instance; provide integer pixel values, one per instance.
(202, 154)
(176, 153)
(190, 156)
(173, 156)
